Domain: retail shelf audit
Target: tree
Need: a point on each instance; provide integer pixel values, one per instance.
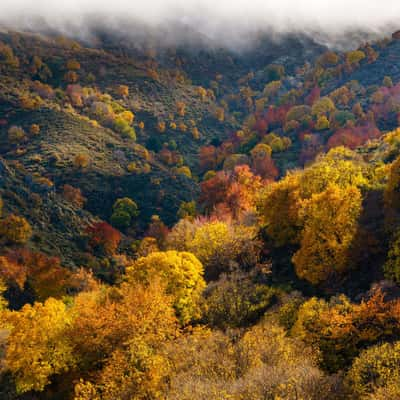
(81, 161)
(73, 195)
(341, 329)
(236, 300)
(322, 123)
(392, 264)
(187, 209)
(392, 196)
(180, 107)
(104, 237)
(124, 210)
(182, 274)
(15, 229)
(38, 346)
(122, 90)
(387, 81)
(375, 368)
(158, 230)
(110, 318)
(354, 57)
(340, 166)
(324, 106)
(73, 65)
(262, 163)
(280, 208)
(330, 225)
(219, 245)
(3, 301)
(16, 134)
(34, 129)
(44, 274)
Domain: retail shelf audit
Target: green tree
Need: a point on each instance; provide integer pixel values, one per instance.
(124, 210)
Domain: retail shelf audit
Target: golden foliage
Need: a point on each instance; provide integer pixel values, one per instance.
(182, 274)
(330, 225)
(38, 346)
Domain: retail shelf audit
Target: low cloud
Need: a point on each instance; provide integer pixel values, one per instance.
(227, 22)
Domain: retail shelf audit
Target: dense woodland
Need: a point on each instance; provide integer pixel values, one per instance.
(180, 223)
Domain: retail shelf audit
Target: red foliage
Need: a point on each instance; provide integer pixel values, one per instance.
(354, 136)
(386, 102)
(13, 272)
(230, 193)
(276, 115)
(265, 167)
(45, 274)
(165, 155)
(157, 230)
(213, 190)
(104, 236)
(208, 158)
(261, 125)
(314, 95)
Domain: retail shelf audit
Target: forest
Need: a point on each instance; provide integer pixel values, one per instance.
(179, 224)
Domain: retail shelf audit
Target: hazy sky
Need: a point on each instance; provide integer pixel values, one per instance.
(215, 18)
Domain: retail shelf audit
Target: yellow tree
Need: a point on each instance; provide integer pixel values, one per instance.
(340, 166)
(3, 302)
(280, 210)
(120, 332)
(330, 225)
(392, 196)
(182, 274)
(323, 106)
(15, 229)
(107, 319)
(38, 346)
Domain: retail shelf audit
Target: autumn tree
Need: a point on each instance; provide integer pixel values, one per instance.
(108, 319)
(16, 134)
(81, 161)
(355, 57)
(122, 90)
(104, 237)
(182, 274)
(341, 329)
(324, 106)
(73, 195)
(280, 210)
(235, 300)
(262, 163)
(330, 225)
(15, 229)
(340, 166)
(34, 129)
(158, 230)
(38, 347)
(392, 264)
(392, 196)
(187, 209)
(219, 245)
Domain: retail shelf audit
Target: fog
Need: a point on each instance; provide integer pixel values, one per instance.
(226, 22)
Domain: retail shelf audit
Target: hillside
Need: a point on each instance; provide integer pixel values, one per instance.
(187, 221)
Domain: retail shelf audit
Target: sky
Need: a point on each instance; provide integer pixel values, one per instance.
(224, 20)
